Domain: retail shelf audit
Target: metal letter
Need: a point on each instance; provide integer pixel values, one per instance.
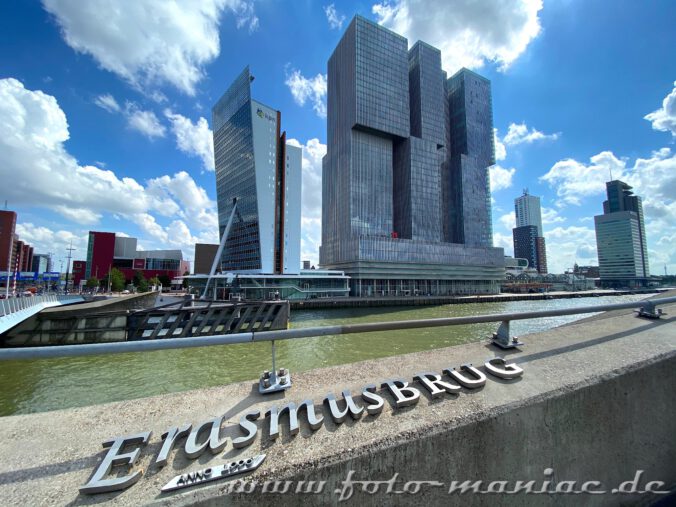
(350, 407)
(397, 388)
(97, 483)
(463, 380)
(368, 393)
(274, 413)
(435, 385)
(245, 422)
(194, 450)
(501, 369)
(170, 437)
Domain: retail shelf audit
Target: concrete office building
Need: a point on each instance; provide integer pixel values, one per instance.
(405, 189)
(529, 242)
(256, 166)
(621, 239)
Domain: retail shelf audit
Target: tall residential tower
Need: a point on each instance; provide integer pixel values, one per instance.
(256, 167)
(529, 242)
(405, 189)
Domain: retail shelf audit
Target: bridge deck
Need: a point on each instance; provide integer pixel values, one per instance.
(596, 402)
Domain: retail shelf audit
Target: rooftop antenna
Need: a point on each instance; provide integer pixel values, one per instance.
(5, 204)
(525, 191)
(610, 170)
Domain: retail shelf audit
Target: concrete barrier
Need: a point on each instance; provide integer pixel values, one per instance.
(595, 405)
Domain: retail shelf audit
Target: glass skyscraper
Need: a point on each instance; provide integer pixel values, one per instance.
(620, 238)
(255, 167)
(406, 198)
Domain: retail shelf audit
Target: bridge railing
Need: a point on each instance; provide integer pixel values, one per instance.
(645, 308)
(16, 304)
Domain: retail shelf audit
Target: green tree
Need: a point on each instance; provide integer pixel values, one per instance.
(165, 280)
(140, 282)
(93, 283)
(117, 280)
(155, 281)
(185, 280)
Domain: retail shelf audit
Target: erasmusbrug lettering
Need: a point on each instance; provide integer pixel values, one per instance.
(205, 436)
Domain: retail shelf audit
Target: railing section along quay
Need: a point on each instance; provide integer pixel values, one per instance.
(277, 380)
(13, 305)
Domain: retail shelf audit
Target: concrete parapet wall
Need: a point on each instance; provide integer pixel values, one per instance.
(595, 403)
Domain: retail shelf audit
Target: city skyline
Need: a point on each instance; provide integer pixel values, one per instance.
(125, 139)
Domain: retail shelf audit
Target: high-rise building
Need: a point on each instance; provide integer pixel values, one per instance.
(41, 263)
(261, 172)
(620, 238)
(405, 189)
(528, 212)
(528, 244)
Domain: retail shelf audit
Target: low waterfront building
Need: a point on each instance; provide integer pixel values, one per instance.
(308, 284)
(106, 250)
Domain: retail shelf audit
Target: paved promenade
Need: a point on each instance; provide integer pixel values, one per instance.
(595, 403)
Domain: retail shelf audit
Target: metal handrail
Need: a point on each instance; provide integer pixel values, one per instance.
(16, 304)
(287, 334)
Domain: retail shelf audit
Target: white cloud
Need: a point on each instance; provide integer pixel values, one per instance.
(508, 221)
(33, 130)
(519, 133)
(569, 245)
(311, 211)
(335, 20)
(46, 240)
(664, 119)
(149, 43)
(468, 33)
(501, 178)
(574, 180)
(551, 216)
(504, 241)
(312, 89)
(145, 122)
(193, 138)
(108, 102)
(500, 150)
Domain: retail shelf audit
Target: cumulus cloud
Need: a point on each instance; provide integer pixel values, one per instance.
(468, 33)
(33, 130)
(149, 43)
(195, 139)
(46, 240)
(569, 245)
(664, 119)
(145, 122)
(335, 20)
(311, 210)
(519, 133)
(501, 178)
(574, 180)
(500, 150)
(308, 89)
(551, 216)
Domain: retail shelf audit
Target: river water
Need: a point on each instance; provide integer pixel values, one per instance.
(49, 384)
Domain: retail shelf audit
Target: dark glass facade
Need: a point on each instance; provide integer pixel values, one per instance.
(400, 199)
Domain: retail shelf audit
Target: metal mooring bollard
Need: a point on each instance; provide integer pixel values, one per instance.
(502, 338)
(275, 380)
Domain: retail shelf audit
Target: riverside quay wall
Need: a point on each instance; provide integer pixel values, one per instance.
(590, 407)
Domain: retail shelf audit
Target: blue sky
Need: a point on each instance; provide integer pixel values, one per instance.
(105, 109)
